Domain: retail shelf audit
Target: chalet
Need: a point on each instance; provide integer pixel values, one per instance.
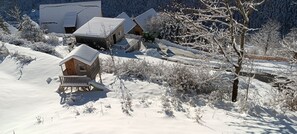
(129, 24)
(100, 32)
(67, 17)
(80, 67)
(142, 21)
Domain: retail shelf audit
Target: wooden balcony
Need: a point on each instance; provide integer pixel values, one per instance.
(75, 81)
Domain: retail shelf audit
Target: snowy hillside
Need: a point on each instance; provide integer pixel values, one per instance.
(30, 104)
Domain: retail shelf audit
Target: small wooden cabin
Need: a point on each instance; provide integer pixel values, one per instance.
(80, 67)
(142, 20)
(101, 32)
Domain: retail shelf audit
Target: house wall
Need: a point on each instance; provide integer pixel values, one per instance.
(70, 67)
(93, 42)
(138, 30)
(119, 34)
(73, 68)
(98, 43)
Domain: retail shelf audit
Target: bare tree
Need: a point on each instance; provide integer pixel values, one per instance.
(225, 23)
(290, 43)
(267, 37)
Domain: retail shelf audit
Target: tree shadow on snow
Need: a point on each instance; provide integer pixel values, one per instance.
(267, 121)
(81, 97)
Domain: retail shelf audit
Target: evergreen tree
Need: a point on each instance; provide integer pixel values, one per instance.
(30, 30)
(4, 26)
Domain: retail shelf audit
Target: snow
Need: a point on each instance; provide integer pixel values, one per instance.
(52, 16)
(143, 18)
(99, 27)
(82, 53)
(129, 24)
(11, 28)
(32, 105)
(153, 53)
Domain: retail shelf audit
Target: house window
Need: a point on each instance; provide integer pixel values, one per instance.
(82, 68)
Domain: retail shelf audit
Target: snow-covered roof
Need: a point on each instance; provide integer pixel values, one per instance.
(129, 24)
(143, 18)
(100, 27)
(82, 53)
(52, 16)
(70, 19)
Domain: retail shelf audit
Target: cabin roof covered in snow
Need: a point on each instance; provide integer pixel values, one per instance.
(82, 53)
(99, 27)
(129, 24)
(143, 18)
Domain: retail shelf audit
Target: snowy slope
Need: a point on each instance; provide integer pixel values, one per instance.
(31, 105)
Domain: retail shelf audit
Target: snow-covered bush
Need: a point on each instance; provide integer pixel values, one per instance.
(166, 106)
(43, 47)
(183, 79)
(3, 26)
(192, 80)
(89, 108)
(30, 30)
(51, 40)
(39, 120)
(3, 52)
(22, 59)
(289, 95)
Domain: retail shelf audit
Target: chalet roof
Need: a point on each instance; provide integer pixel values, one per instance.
(100, 27)
(129, 24)
(82, 4)
(55, 17)
(82, 53)
(143, 18)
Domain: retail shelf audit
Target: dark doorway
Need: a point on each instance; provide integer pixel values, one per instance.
(70, 29)
(114, 39)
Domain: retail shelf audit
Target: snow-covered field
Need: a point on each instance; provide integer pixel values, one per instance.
(29, 104)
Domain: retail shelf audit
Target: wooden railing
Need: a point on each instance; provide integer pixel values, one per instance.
(74, 81)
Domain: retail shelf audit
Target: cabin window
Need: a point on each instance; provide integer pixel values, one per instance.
(82, 68)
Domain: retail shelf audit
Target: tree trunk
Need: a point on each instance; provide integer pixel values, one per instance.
(235, 83)
(235, 89)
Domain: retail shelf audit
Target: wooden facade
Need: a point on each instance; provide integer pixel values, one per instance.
(137, 30)
(76, 67)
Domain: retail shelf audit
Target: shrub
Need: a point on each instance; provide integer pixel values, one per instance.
(183, 79)
(3, 52)
(89, 108)
(42, 47)
(30, 30)
(22, 59)
(52, 40)
(3, 26)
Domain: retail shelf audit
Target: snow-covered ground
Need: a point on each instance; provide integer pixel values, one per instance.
(30, 104)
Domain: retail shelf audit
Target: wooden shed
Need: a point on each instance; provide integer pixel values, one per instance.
(142, 20)
(80, 67)
(101, 32)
